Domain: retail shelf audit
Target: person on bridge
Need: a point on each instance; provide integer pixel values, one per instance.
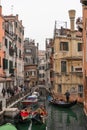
(3, 92)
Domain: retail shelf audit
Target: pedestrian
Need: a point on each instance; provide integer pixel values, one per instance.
(12, 92)
(3, 92)
(67, 94)
(8, 91)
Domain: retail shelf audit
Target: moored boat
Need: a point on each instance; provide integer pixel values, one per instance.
(31, 100)
(37, 116)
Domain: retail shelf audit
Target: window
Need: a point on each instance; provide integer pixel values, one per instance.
(16, 24)
(59, 88)
(41, 67)
(41, 75)
(33, 73)
(64, 46)
(72, 68)
(79, 46)
(5, 63)
(6, 42)
(52, 50)
(11, 67)
(19, 39)
(19, 53)
(80, 88)
(63, 66)
(78, 69)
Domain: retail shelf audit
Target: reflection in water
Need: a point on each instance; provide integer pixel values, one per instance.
(61, 119)
(65, 119)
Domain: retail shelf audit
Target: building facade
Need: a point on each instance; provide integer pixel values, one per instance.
(14, 43)
(2, 54)
(84, 9)
(42, 67)
(68, 70)
(11, 51)
(30, 62)
(49, 63)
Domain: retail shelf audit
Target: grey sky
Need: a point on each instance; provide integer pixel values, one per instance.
(39, 16)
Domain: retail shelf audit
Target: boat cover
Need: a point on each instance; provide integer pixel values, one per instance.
(32, 97)
(8, 126)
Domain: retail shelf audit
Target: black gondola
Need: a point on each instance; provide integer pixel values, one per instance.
(63, 104)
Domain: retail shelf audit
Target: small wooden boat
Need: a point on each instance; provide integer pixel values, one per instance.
(8, 126)
(23, 116)
(39, 115)
(63, 104)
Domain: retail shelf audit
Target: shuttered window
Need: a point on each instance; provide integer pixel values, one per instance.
(64, 46)
(5, 63)
(79, 46)
(6, 43)
(11, 67)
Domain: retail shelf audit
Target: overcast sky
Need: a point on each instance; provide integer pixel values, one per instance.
(39, 16)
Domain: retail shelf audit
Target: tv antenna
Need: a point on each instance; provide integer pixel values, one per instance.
(12, 9)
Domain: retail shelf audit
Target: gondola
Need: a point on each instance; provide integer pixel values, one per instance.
(63, 104)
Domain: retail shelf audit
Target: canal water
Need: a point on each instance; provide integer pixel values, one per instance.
(66, 119)
(60, 119)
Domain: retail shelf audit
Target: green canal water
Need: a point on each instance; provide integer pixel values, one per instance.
(61, 119)
(66, 119)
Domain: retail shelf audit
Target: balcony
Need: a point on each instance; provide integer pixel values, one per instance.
(72, 58)
(84, 2)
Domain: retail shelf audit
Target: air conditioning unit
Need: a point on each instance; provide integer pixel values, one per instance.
(77, 69)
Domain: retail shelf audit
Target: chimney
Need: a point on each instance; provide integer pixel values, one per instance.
(0, 10)
(17, 16)
(72, 19)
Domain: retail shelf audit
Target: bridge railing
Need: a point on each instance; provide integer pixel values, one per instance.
(14, 98)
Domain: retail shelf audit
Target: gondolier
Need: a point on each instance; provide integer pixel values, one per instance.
(67, 94)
